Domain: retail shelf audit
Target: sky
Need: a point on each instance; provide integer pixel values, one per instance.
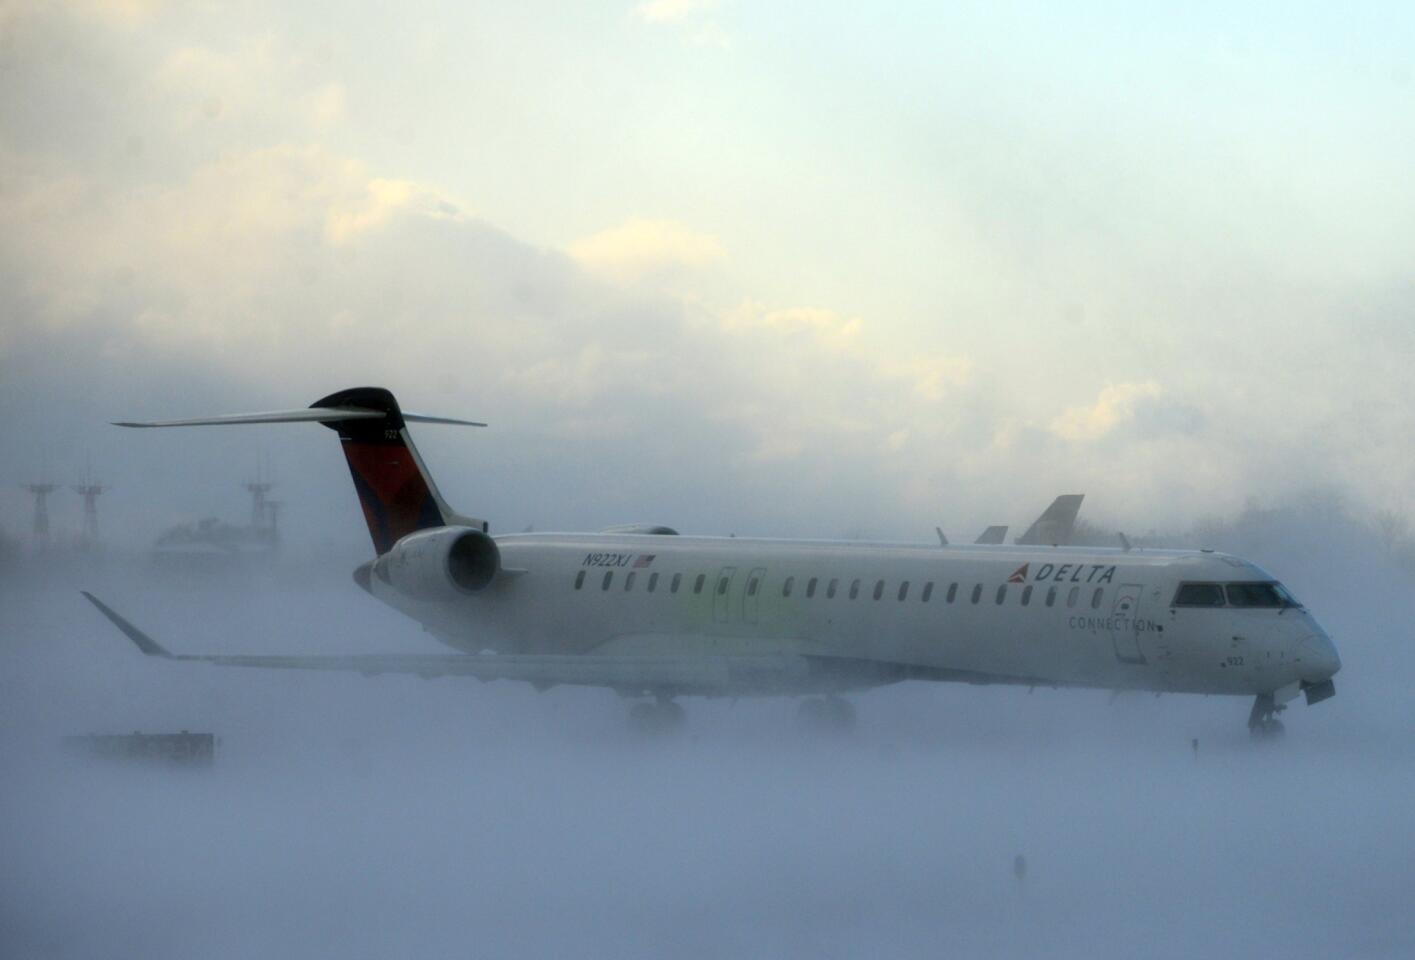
(725, 266)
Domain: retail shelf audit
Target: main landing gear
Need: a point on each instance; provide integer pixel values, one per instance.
(832, 715)
(1263, 723)
(658, 716)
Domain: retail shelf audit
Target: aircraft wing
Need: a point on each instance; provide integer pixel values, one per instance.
(1055, 524)
(636, 673)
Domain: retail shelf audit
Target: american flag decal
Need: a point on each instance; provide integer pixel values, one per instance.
(643, 560)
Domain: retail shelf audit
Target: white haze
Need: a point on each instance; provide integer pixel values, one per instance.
(353, 817)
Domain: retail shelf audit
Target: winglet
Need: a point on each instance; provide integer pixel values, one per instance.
(144, 643)
(942, 540)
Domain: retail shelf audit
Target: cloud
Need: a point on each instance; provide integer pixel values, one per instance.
(669, 11)
(380, 200)
(643, 250)
(327, 105)
(932, 378)
(694, 15)
(826, 327)
(1113, 407)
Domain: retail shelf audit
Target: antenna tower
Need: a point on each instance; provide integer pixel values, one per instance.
(41, 492)
(90, 490)
(262, 516)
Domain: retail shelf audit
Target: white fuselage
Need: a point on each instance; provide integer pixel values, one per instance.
(835, 615)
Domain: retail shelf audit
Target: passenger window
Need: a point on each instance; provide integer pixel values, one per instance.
(751, 587)
(629, 582)
(830, 590)
(786, 587)
(904, 590)
(1096, 598)
(1051, 596)
(1001, 593)
(977, 592)
(579, 579)
(1198, 595)
(653, 582)
(928, 591)
(1026, 594)
(673, 586)
(952, 592)
(608, 578)
(854, 588)
(1071, 597)
(879, 589)
(811, 587)
(698, 583)
(722, 585)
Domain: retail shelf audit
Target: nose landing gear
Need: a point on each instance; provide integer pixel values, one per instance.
(1263, 723)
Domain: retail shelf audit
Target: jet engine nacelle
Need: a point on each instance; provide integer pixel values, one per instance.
(441, 563)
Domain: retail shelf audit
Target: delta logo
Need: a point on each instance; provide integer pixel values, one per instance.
(1064, 573)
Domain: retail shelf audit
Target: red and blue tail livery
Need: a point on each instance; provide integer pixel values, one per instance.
(397, 495)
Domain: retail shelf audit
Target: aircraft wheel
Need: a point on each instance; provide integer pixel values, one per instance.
(1263, 723)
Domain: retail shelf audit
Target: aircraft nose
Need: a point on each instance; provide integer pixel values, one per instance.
(1320, 661)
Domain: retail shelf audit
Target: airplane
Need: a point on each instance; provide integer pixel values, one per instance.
(656, 616)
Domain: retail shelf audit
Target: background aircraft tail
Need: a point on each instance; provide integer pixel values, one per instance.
(395, 489)
(1056, 524)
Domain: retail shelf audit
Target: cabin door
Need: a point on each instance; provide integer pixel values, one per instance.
(1125, 623)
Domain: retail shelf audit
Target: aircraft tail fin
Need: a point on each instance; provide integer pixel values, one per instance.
(993, 535)
(396, 491)
(1055, 525)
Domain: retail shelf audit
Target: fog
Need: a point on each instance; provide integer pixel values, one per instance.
(351, 816)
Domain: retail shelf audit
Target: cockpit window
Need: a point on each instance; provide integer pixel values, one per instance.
(1199, 595)
(1249, 594)
(1259, 595)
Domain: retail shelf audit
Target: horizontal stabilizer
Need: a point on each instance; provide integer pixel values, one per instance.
(428, 418)
(302, 415)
